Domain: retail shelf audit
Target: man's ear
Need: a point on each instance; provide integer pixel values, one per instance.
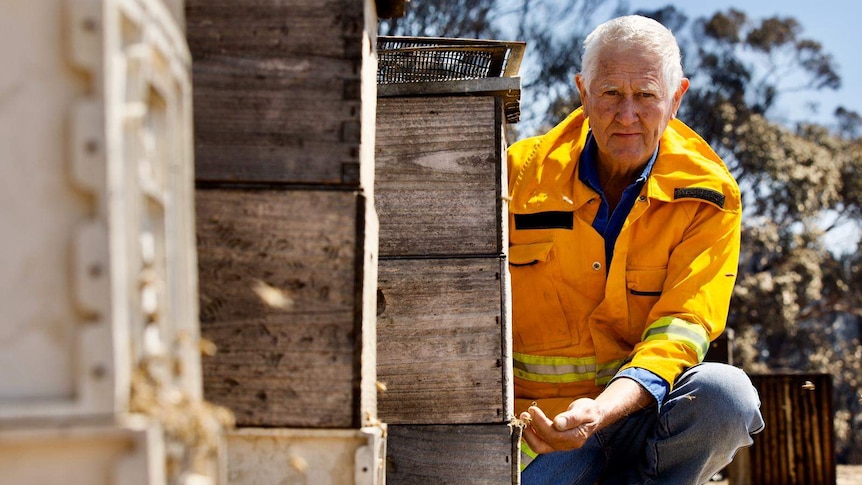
(582, 89)
(677, 96)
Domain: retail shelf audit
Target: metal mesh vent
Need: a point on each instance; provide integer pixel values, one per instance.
(426, 59)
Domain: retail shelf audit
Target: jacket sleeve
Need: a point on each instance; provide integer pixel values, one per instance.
(692, 309)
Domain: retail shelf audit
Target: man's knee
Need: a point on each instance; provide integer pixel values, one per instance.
(721, 390)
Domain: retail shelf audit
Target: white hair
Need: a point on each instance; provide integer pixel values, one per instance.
(639, 33)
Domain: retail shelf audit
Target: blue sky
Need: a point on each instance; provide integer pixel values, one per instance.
(833, 23)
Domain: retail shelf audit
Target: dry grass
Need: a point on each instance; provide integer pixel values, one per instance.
(847, 475)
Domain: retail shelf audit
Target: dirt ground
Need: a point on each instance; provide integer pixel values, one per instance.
(847, 475)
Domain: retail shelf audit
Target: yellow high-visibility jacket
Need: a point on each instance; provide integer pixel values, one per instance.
(667, 291)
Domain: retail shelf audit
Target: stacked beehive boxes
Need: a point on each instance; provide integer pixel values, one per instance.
(443, 306)
(99, 348)
(284, 104)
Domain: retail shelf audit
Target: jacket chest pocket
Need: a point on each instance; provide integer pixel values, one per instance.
(538, 306)
(643, 290)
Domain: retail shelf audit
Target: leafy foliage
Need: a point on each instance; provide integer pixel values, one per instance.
(797, 304)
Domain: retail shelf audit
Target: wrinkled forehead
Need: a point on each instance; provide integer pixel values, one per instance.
(635, 66)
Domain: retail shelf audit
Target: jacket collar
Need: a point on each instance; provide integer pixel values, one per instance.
(547, 178)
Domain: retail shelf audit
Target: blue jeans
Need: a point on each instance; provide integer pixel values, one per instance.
(710, 413)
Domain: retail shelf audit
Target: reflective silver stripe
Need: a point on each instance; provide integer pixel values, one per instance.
(553, 369)
(691, 334)
(608, 371)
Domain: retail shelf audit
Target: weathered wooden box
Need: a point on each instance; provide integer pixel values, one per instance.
(481, 454)
(438, 176)
(443, 327)
(99, 346)
(284, 102)
(284, 96)
(282, 274)
(282, 89)
(440, 341)
(443, 312)
(797, 445)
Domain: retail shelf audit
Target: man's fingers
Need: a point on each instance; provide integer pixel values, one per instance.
(580, 413)
(564, 423)
(539, 421)
(564, 432)
(536, 443)
(561, 422)
(537, 413)
(538, 427)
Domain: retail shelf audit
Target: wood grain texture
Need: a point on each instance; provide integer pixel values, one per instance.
(277, 90)
(270, 28)
(293, 363)
(439, 341)
(438, 176)
(797, 445)
(447, 454)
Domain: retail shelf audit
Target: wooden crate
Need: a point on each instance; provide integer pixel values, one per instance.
(443, 307)
(282, 278)
(444, 333)
(453, 454)
(438, 183)
(440, 333)
(284, 99)
(797, 445)
(314, 456)
(283, 90)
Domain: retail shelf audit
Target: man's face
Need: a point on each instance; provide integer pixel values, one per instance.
(628, 107)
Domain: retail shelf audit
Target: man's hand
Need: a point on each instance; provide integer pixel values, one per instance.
(572, 428)
(568, 430)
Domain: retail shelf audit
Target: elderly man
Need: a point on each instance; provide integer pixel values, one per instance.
(624, 244)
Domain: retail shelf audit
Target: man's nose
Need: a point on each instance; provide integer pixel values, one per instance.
(627, 110)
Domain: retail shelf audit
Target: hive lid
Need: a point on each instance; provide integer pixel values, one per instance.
(413, 66)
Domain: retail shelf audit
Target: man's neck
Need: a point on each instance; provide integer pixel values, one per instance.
(614, 181)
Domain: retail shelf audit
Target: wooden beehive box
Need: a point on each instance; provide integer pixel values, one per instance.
(281, 276)
(443, 326)
(441, 314)
(279, 89)
(284, 107)
(478, 454)
(797, 445)
(84, 454)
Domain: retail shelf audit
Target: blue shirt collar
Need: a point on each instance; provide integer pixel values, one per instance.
(606, 223)
(589, 172)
